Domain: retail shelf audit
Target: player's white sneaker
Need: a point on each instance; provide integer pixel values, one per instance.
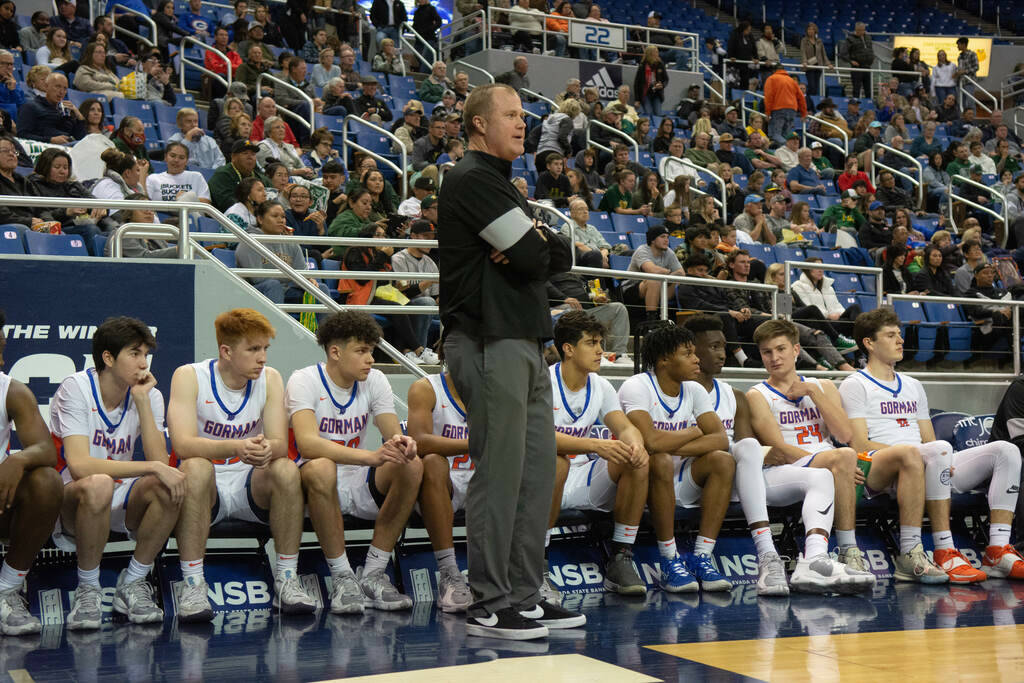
(194, 601)
(429, 357)
(86, 610)
(135, 600)
(548, 592)
(823, 574)
(290, 595)
(411, 355)
(379, 593)
(916, 566)
(346, 595)
(453, 594)
(853, 558)
(15, 619)
(771, 576)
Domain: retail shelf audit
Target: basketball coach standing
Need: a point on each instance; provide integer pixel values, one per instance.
(494, 308)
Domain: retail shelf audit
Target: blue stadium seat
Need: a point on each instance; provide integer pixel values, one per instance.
(637, 240)
(42, 243)
(77, 97)
(99, 244)
(602, 221)
(617, 262)
(165, 112)
(828, 239)
(762, 252)
(958, 328)
(225, 256)
(629, 223)
(971, 431)
(867, 302)
(944, 423)
(846, 283)
(139, 108)
(786, 253)
(11, 242)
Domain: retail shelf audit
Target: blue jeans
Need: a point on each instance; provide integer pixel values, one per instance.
(421, 323)
(652, 104)
(781, 121)
(387, 32)
(941, 91)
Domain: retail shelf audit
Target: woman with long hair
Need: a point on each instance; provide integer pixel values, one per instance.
(663, 137)
(373, 180)
(813, 59)
(896, 279)
(239, 129)
(353, 220)
(92, 112)
(56, 54)
(580, 187)
(649, 191)
(650, 81)
(249, 193)
(933, 279)
(93, 75)
(814, 288)
(943, 80)
(52, 178)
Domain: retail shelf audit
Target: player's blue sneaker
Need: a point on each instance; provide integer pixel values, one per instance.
(702, 567)
(675, 578)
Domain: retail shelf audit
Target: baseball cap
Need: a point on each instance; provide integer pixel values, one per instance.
(428, 201)
(876, 205)
(753, 199)
(368, 79)
(726, 137)
(779, 199)
(654, 14)
(850, 194)
(656, 232)
(792, 135)
(874, 124)
(424, 183)
(729, 109)
(982, 266)
(975, 168)
(421, 226)
(815, 145)
(255, 24)
(413, 106)
(772, 188)
(244, 146)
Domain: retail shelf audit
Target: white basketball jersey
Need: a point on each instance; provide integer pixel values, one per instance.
(723, 399)
(5, 419)
(890, 409)
(577, 411)
(223, 413)
(449, 419)
(342, 415)
(668, 413)
(77, 410)
(799, 421)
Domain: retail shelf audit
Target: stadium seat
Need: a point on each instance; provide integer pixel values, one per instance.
(846, 283)
(11, 242)
(602, 221)
(958, 328)
(139, 108)
(617, 262)
(629, 223)
(971, 431)
(762, 252)
(45, 244)
(943, 424)
(637, 240)
(867, 302)
(785, 253)
(225, 256)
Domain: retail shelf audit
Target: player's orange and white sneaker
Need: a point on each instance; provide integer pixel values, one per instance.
(957, 567)
(1002, 563)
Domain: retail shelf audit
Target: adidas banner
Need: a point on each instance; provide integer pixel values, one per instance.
(605, 77)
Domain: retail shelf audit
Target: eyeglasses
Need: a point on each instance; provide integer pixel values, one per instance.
(10, 63)
(299, 196)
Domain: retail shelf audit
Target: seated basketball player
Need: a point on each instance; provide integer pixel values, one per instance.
(757, 486)
(797, 418)
(331, 405)
(28, 481)
(617, 479)
(887, 407)
(688, 461)
(437, 422)
(98, 416)
(229, 430)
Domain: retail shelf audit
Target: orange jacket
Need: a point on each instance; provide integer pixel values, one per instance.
(560, 25)
(781, 91)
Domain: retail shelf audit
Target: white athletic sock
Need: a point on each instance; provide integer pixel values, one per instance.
(137, 571)
(11, 578)
(943, 540)
(446, 558)
(624, 533)
(763, 541)
(703, 545)
(287, 565)
(547, 538)
(740, 356)
(814, 545)
(909, 537)
(376, 559)
(192, 571)
(846, 538)
(998, 535)
(667, 549)
(89, 577)
(338, 565)
(938, 458)
(748, 483)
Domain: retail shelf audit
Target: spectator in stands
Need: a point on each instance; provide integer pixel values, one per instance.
(52, 178)
(418, 260)
(130, 137)
(844, 215)
(625, 107)
(303, 222)
(903, 217)
(337, 100)
(387, 17)
(226, 178)
(621, 161)
(859, 52)
(433, 86)
(92, 111)
(1002, 133)
(353, 219)
(980, 159)
(33, 36)
(752, 221)
(787, 153)
(525, 25)
(800, 220)
(557, 132)
(592, 248)
(741, 52)
(966, 64)
(653, 257)
(896, 127)
(701, 153)
(250, 70)
(943, 78)
(783, 102)
(158, 80)
(947, 111)
(321, 150)
(237, 21)
(552, 184)
(926, 144)
(642, 133)
(891, 195)
(815, 289)
(51, 118)
(974, 257)
(408, 132)
(959, 164)
(202, 149)
(619, 197)
(579, 186)
(650, 193)
(218, 65)
(757, 154)
(382, 204)
(116, 48)
(94, 76)
(387, 60)
(729, 157)
(663, 136)
(586, 164)
(933, 279)
(777, 221)
(248, 194)
(123, 175)
(421, 189)
(333, 178)
(55, 53)
(864, 143)
(756, 124)
(167, 28)
(851, 174)
(240, 128)
(316, 44)
(813, 60)
(195, 23)
(11, 94)
(448, 105)
(768, 49)
(650, 81)
(804, 178)
(295, 76)
(266, 108)
(76, 29)
(177, 183)
(368, 106)
(704, 212)
(876, 233)
(516, 78)
(460, 86)
(273, 147)
(966, 125)
(993, 321)
(428, 149)
(822, 163)
(896, 278)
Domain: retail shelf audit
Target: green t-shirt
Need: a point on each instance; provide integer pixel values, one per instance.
(615, 198)
(839, 216)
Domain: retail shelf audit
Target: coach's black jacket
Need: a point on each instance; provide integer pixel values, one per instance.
(479, 209)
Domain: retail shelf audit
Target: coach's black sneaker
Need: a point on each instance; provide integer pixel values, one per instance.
(553, 616)
(506, 623)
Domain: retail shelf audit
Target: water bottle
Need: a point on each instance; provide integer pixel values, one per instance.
(864, 463)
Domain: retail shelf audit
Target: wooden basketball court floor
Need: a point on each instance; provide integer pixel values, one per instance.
(899, 633)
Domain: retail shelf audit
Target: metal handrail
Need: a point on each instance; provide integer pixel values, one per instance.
(1010, 88)
(145, 230)
(201, 67)
(474, 67)
(917, 182)
(720, 202)
(953, 197)
(538, 96)
(964, 301)
(145, 17)
(403, 154)
(961, 91)
(719, 181)
(402, 40)
(744, 108)
(464, 26)
(714, 75)
(282, 110)
(838, 268)
(622, 134)
(844, 150)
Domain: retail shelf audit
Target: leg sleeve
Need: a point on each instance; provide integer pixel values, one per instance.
(998, 462)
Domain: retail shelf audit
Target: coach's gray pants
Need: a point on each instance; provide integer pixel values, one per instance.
(507, 391)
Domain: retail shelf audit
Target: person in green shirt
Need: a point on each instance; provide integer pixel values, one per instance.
(1003, 160)
(130, 137)
(368, 163)
(700, 153)
(226, 178)
(821, 162)
(432, 88)
(619, 197)
(960, 165)
(844, 215)
(351, 221)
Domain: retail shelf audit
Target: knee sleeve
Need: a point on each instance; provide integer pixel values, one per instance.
(819, 509)
(999, 462)
(937, 457)
(748, 483)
